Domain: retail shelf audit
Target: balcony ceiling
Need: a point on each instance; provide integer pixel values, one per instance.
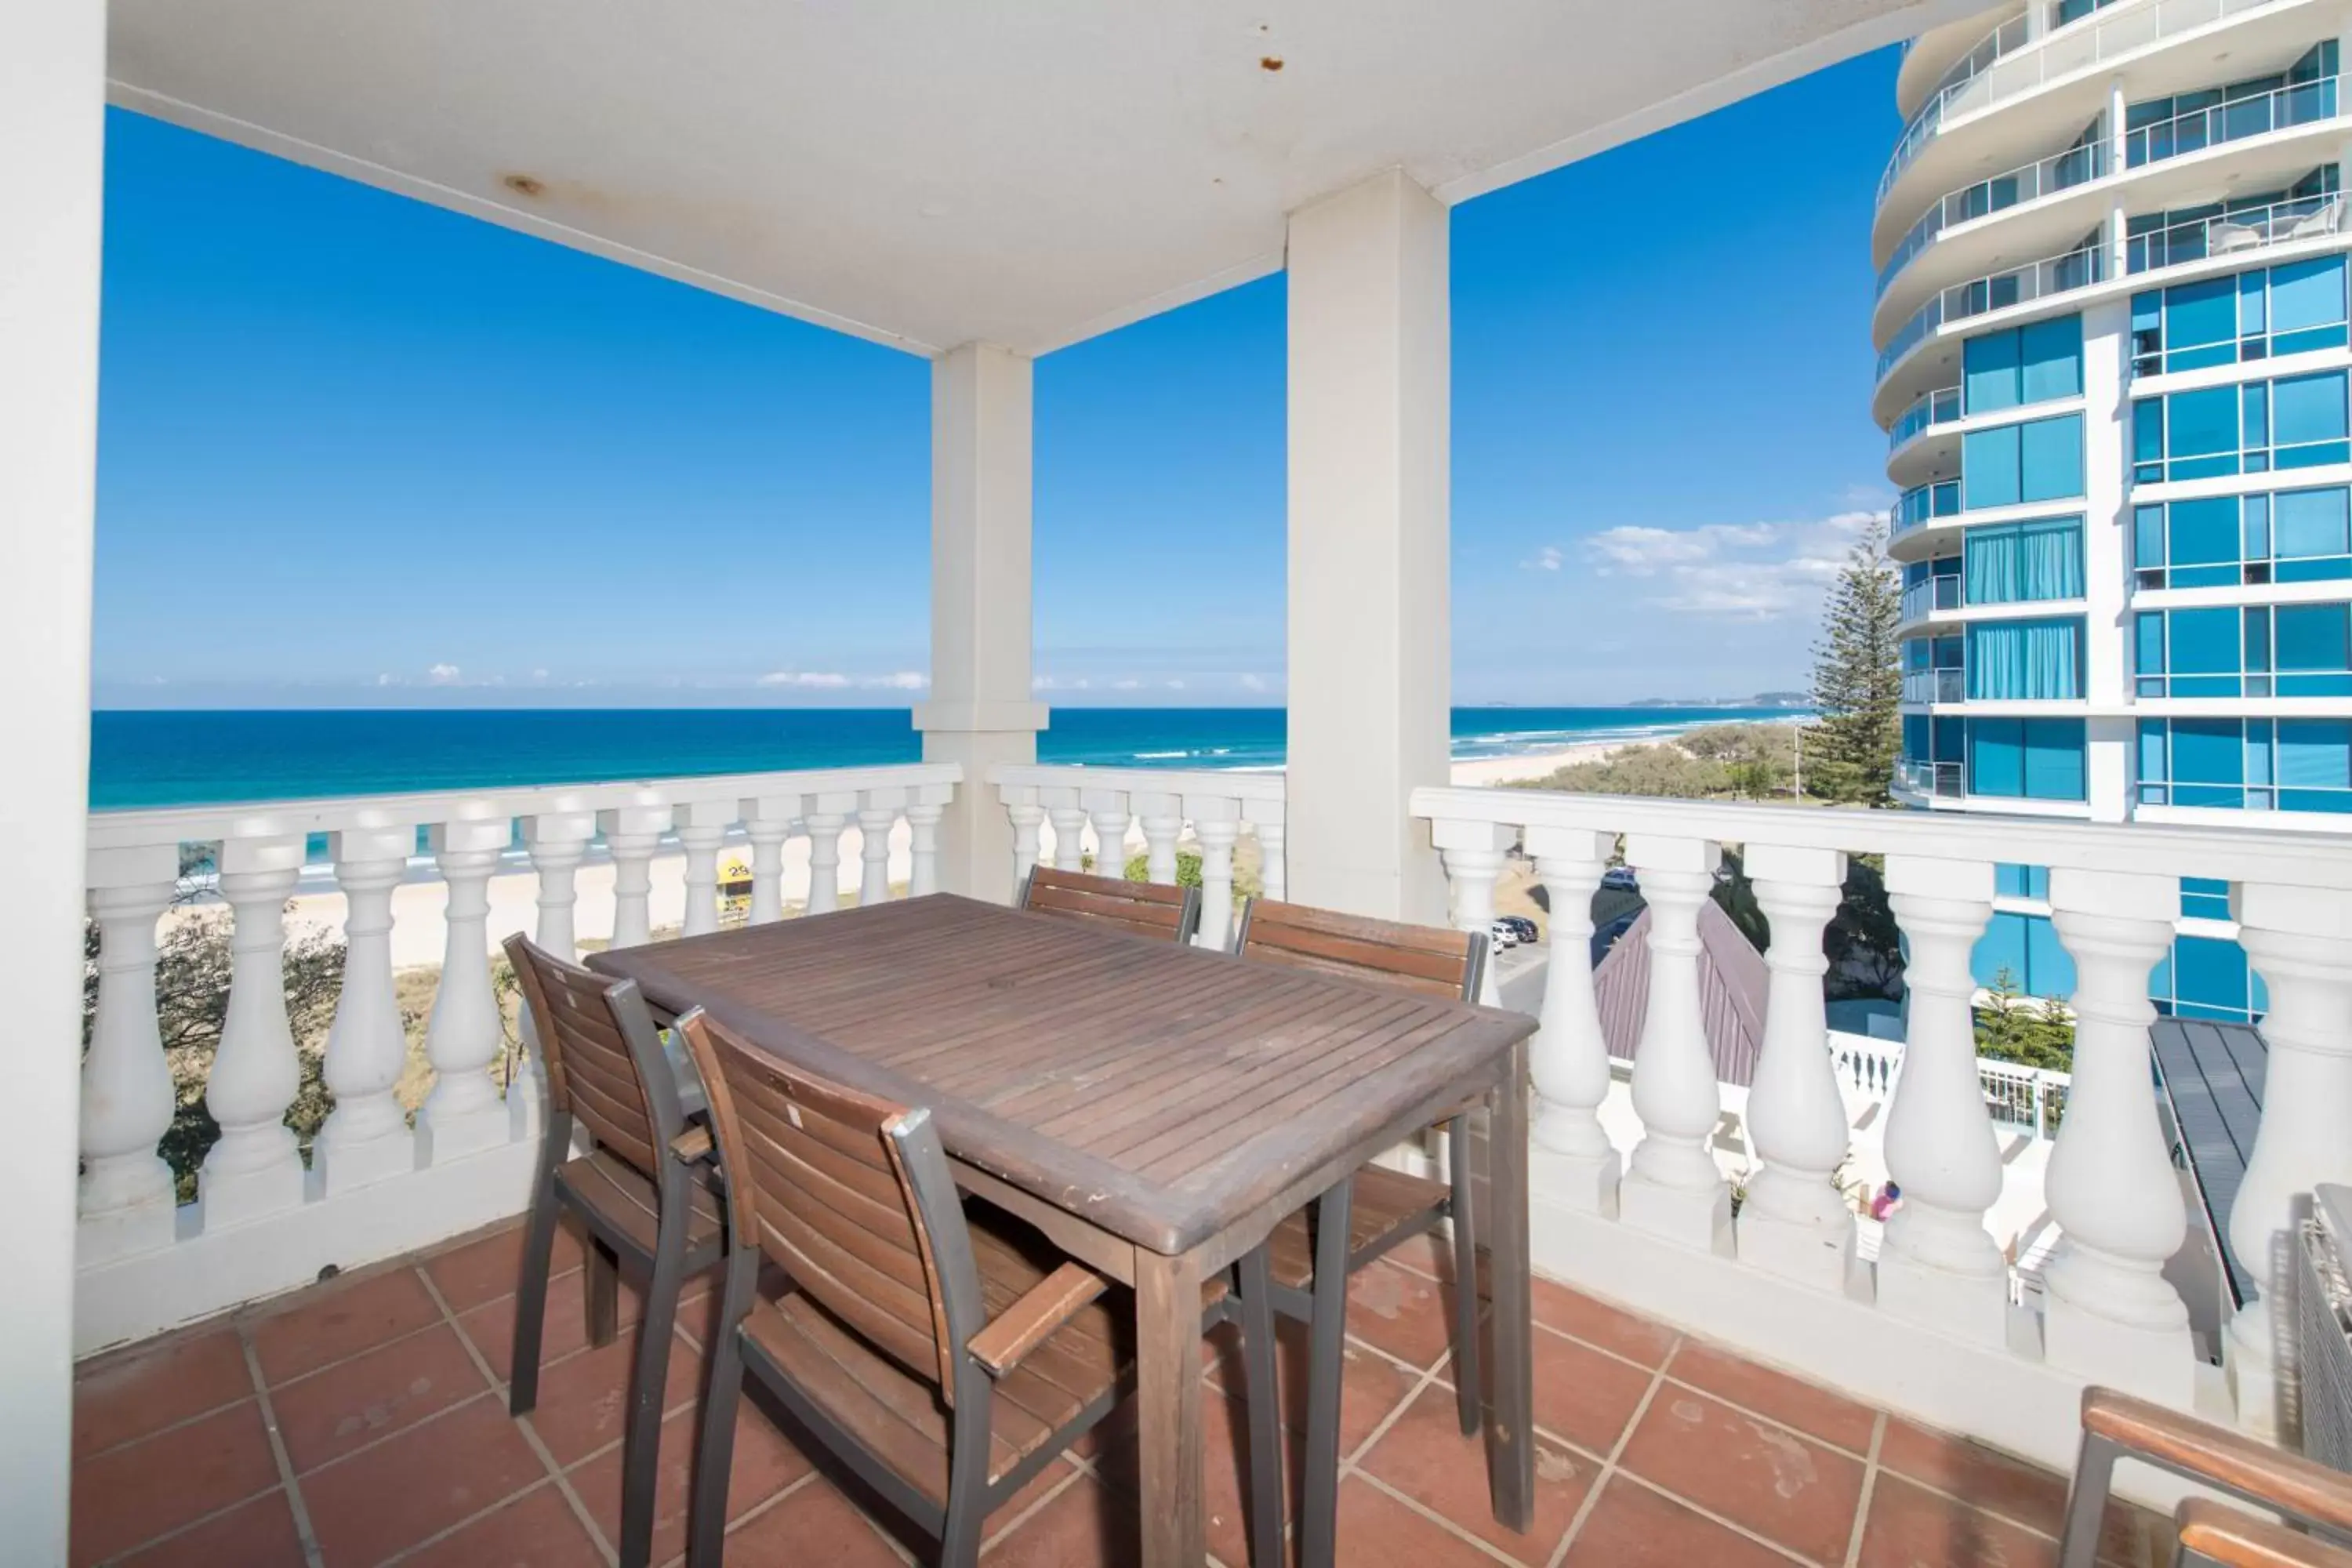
(927, 175)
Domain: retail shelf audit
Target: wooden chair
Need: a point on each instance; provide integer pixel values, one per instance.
(1146, 908)
(1383, 1208)
(945, 1356)
(2116, 1426)
(643, 1205)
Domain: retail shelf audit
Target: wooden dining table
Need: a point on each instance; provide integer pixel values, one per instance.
(1155, 1109)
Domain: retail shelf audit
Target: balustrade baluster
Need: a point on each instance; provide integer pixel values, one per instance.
(1673, 1186)
(1795, 1222)
(824, 816)
(1107, 809)
(701, 828)
(463, 1113)
(632, 833)
(1574, 1163)
(923, 813)
(877, 813)
(127, 1198)
(558, 841)
(1472, 853)
(1020, 806)
(1937, 1265)
(1266, 819)
(366, 1138)
(2300, 941)
(768, 821)
(1216, 823)
(255, 1168)
(1069, 820)
(1161, 820)
(2111, 1317)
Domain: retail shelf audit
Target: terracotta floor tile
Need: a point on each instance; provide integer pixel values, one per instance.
(125, 1396)
(2017, 1490)
(1086, 1525)
(1425, 1457)
(1402, 1313)
(1758, 1476)
(418, 1483)
(1378, 1531)
(537, 1529)
(1224, 1470)
(1810, 1409)
(128, 1496)
(1596, 1322)
(373, 1395)
(1910, 1527)
(816, 1524)
(259, 1534)
(1633, 1527)
(563, 1326)
(342, 1321)
(584, 1401)
(1370, 1385)
(765, 1462)
(1428, 1253)
(1583, 1396)
(490, 1267)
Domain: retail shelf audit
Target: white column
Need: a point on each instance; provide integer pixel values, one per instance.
(558, 842)
(701, 827)
(1673, 1186)
(366, 1138)
(1107, 809)
(2112, 1318)
(1161, 820)
(1472, 854)
(2300, 941)
(631, 834)
(1266, 819)
(768, 821)
(981, 712)
(255, 1168)
(1216, 823)
(1069, 820)
(127, 1098)
(877, 813)
(1022, 810)
(1369, 673)
(1795, 1222)
(52, 119)
(1938, 1264)
(1574, 1164)
(923, 814)
(824, 816)
(466, 1034)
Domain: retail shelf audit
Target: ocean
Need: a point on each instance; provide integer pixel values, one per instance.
(148, 758)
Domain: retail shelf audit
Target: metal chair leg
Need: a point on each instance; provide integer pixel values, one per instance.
(2087, 1502)
(530, 1293)
(603, 1293)
(714, 1453)
(1261, 1383)
(649, 1379)
(1468, 1388)
(1326, 1348)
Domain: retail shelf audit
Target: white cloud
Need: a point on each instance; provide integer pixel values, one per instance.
(1124, 685)
(806, 680)
(1057, 683)
(387, 678)
(442, 675)
(1175, 686)
(1548, 559)
(900, 680)
(1253, 683)
(538, 675)
(1752, 571)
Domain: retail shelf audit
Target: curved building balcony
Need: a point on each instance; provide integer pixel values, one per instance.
(2047, 89)
(1923, 441)
(1937, 58)
(1924, 506)
(2079, 268)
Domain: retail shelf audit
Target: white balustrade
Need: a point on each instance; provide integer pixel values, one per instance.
(2111, 1314)
(1026, 816)
(377, 1186)
(1069, 820)
(1107, 810)
(1796, 1222)
(127, 1098)
(366, 1137)
(1472, 853)
(1160, 817)
(1216, 823)
(1568, 1061)
(1672, 1183)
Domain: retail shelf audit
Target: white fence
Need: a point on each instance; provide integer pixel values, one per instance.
(495, 861)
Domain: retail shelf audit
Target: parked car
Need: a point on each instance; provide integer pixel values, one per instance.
(1522, 926)
(1502, 934)
(1621, 878)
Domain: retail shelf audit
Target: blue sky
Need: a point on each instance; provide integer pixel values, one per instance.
(358, 450)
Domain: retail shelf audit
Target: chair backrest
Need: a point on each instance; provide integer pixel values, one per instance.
(1146, 908)
(1436, 961)
(850, 1194)
(601, 1054)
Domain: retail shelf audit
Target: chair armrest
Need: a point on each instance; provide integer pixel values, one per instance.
(2230, 1460)
(1028, 1323)
(2236, 1540)
(693, 1145)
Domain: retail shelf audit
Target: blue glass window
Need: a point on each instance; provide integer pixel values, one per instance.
(2026, 948)
(2291, 764)
(2013, 562)
(2010, 881)
(2029, 661)
(2041, 459)
(2261, 313)
(2204, 899)
(2288, 536)
(1988, 373)
(2308, 419)
(2034, 759)
(2293, 422)
(2312, 649)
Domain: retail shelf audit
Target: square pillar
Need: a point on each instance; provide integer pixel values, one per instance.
(1369, 660)
(980, 712)
(52, 118)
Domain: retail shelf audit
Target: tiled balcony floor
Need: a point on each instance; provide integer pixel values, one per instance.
(363, 1421)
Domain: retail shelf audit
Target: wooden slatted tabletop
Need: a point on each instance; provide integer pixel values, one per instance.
(1162, 1093)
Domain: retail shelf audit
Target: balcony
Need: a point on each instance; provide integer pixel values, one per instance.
(2076, 165)
(1932, 781)
(2281, 109)
(1933, 686)
(2314, 217)
(1921, 505)
(2076, 269)
(1921, 600)
(1941, 406)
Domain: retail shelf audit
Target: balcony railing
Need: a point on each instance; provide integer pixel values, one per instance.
(2278, 110)
(375, 1183)
(1934, 686)
(1927, 410)
(2305, 217)
(1656, 1227)
(1921, 504)
(2060, 171)
(2077, 268)
(2024, 64)
(2031, 1099)
(1947, 780)
(1922, 599)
